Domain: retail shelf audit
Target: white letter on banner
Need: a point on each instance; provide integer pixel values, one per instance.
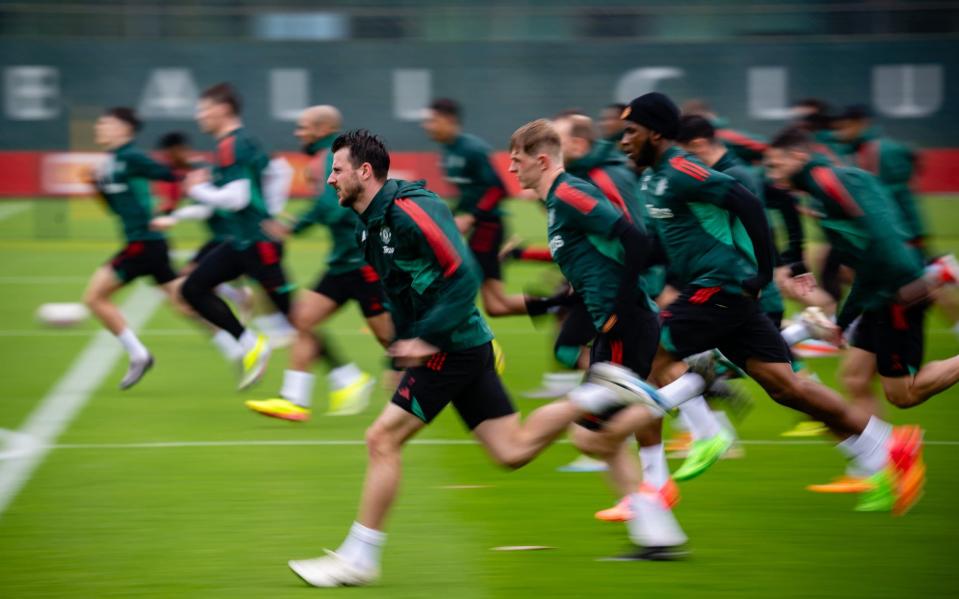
(907, 91)
(642, 81)
(289, 93)
(412, 91)
(169, 94)
(32, 93)
(766, 93)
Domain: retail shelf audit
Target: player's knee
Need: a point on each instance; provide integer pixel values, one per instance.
(191, 291)
(509, 457)
(787, 391)
(380, 443)
(591, 443)
(903, 399)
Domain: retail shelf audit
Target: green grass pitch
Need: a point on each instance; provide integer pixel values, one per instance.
(104, 516)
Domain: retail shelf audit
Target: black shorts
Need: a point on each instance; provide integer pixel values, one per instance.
(633, 344)
(895, 334)
(485, 241)
(141, 258)
(362, 285)
(261, 261)
(466, 378)
(705, 318)
(204, 250)
(575, 331)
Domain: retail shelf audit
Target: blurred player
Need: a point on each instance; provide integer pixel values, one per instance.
(123, 181)
(348, 277)
(610, 125)
(890, 293)
(466, 162)
(694, 209)
(236, 187)
(431, 281)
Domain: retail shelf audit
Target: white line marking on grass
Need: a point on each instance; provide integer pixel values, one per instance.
(360, 442)
(68, 396)
(8, 211)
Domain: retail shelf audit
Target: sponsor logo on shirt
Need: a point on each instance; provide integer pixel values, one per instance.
(385, 235)
(555, 242)
(655, 212)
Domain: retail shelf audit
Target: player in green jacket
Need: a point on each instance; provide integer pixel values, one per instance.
(235, 185)
(123, 181)
(431, 281)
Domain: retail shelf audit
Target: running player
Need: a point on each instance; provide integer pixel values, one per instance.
(431, 282)
(694, 210)
(235, 187)
(123, 181)
(348, 277)
(466, 162)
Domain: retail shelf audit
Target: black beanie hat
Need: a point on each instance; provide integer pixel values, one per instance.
(656, 112)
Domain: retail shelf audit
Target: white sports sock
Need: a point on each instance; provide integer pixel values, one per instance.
(277, 321)
(724, 422)
(247, 340)
(298, 387)
(681, 423)
(655, 470)
(231, 293)
(682, 389)
(228, 346)
(136, 350)
(593, 398)
(344, 376)
(702, 422)
(362, 546)
(795, 333)
(868, 448)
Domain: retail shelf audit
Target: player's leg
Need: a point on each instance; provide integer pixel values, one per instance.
(857, 373)
(357, 560)
(570, 352)
(104, 282)
(900, 340)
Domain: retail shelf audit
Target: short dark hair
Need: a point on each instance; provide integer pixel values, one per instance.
(856, 112)
(694, 126)
(173, 139)
(791, 138)
(447, 107)
(125, 114)
(223, 93)
(365, 147)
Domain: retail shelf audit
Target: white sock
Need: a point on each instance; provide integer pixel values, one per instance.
(682, 389)
(868, 448)
(362, 546)
(277, 321)
(593, 398)
(228, 346)
(724, 422)
(681, 423)
(136, 350)
(702, 422)
(247, 340)
(344, 376)
(298, 387)
(795, 333)
(655, 470)
(935, 272)
(231, 293)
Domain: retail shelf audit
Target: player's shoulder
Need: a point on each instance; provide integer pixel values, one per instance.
(240, 147)
(577, 193)
(685, 172)
(415, 207)
(473, 144)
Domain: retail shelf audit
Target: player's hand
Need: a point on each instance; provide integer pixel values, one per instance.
(162, 223)
(464, 222)
(196, 177)
(411, 352)
(275, 229)
(804, 284)
(507, 251)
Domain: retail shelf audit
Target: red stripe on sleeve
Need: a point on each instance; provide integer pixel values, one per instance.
(491, 198)
(536, 255)
(686, 167)
(575, 198)
(739, 139)
(225, 154)
(826, 179)
(442, 248)
(606, 185)
(867, 157)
